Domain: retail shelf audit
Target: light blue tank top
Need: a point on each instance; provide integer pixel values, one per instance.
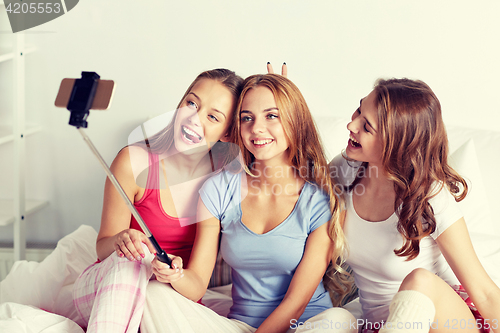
(263, 264)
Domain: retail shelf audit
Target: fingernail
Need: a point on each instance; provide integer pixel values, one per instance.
(143, 255)
(268, 62)
(182, 275)
(120, 254)
(284, 63)
(131, 258)
(139, 258)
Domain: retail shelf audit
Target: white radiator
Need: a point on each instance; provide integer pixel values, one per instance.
(7, 258)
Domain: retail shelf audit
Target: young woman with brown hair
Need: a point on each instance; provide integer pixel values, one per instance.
(409, 247)
(109, 295)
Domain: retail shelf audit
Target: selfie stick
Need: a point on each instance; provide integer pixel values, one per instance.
(79, 105)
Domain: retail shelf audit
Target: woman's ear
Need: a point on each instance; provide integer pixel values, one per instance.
(225, 138)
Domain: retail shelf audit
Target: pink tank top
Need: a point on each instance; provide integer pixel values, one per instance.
(167, 230)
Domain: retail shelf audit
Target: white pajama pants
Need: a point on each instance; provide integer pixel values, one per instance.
(168, 311)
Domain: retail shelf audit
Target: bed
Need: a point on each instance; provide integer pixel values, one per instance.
(36, 297)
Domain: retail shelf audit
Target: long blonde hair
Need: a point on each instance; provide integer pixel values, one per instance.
(306, 155)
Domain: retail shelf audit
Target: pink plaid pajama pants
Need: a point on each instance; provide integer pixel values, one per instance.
(109, 295)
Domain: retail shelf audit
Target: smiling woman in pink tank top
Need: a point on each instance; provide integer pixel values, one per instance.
(161, 176)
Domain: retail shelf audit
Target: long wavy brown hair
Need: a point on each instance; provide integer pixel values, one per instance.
(306, 155)
(415, 156)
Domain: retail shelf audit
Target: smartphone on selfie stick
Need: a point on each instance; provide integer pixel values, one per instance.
(80, 96)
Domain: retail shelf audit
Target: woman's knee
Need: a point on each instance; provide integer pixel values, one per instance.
(114, 260)
(342, 320)
(341, 315)
(419, 279)
(115, 269)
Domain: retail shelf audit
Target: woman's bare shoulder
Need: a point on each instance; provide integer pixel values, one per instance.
(132, 160)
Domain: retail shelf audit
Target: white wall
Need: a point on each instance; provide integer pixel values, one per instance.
(153, 50)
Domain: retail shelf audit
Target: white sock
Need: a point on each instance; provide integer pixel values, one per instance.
(410, 312)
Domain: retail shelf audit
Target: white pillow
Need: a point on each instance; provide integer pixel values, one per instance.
(487, 145)
(476, 209)
(475, 205)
